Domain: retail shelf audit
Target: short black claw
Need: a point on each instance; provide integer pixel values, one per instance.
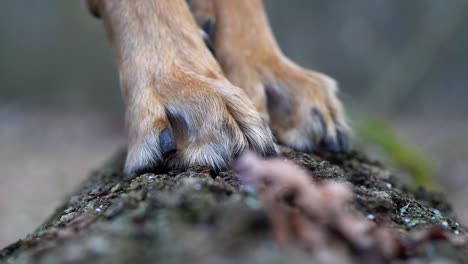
(270, 151)
(319, 117)
(332, 145)
(343, 140)
(338, 144)
(208, 29)
(167, 143)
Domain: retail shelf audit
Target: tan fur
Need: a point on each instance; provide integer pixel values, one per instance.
(171, 82)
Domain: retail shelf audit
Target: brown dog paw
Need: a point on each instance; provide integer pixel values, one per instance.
(304, 110)
(202, 122)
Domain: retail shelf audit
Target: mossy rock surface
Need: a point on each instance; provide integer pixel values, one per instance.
(201, 216)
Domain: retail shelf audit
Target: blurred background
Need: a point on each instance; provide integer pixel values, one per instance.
(402, 66)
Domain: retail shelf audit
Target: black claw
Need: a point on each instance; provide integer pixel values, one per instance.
(343, 140)
(208, 28)
(270, 151)
(332, 145)
(167, 143)
(315, 112)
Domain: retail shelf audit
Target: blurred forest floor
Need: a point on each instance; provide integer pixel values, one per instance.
(42, 151)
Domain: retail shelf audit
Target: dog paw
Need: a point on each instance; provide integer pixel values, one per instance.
(301, 106)
(305, 112)
(192, 120)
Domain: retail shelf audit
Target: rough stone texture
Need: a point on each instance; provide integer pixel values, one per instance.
(202, 216)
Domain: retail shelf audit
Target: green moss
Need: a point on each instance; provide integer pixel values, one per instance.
(401, 152)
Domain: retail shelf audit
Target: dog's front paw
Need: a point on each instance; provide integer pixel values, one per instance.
(302, 106)
(190, 120)
(305, 112)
